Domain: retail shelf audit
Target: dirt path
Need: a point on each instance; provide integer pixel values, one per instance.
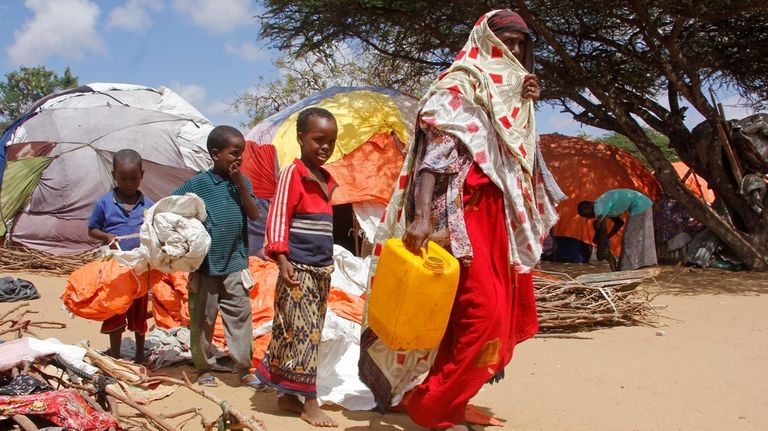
(708, 371)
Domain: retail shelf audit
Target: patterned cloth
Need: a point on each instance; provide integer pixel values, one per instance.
(24, 385)
(449, 159)
(478, 103)
(290, 365)
(65, 408)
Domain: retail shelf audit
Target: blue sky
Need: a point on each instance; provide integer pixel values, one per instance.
(205, 50)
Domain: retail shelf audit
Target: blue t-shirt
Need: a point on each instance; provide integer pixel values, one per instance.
(226, 222)
(112, 217)
(614, 203)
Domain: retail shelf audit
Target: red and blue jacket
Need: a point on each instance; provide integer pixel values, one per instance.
(300, 220)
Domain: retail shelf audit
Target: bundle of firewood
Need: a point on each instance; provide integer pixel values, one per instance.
(593, 301)
(19, 258)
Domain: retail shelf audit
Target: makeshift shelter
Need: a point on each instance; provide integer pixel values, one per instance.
(584, 170)
(374, 128)
(696, 183)
(59, 157)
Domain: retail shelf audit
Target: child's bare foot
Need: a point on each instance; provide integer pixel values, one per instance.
(314, 415)
(290, 403)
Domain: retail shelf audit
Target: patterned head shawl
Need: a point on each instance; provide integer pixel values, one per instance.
(506, 20)
(487, 76)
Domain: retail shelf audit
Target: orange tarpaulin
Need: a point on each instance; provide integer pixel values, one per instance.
(368, 172)
(102, 289)
(586, 169)
(169, 301)
(694, 182)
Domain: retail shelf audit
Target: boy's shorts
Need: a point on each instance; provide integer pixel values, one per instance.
(135, 319)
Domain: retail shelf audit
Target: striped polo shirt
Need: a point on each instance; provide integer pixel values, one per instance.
(300, 220)
(226, 222)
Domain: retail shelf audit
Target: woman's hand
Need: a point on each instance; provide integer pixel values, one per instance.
(287, 272)
(531, 89)
(417, 234)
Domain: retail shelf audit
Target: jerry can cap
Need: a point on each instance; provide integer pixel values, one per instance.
(434, 264)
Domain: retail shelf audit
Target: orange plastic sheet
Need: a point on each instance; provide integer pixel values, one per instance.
(586, 169)
(100, 290)
(103, 289)
(368, 172)
(169, 301)
(697, 184)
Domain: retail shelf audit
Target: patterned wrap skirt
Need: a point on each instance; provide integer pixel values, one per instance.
(290, 365)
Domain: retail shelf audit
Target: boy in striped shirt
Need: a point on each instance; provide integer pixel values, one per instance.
(222, 282)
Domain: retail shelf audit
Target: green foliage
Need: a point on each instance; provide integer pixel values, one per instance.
(23, 87)
(621, 141)
(303, 75)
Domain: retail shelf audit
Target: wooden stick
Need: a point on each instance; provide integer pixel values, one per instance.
(24, 423)
(14, 309)
(181, 413)
(157, 420)
(249, 423)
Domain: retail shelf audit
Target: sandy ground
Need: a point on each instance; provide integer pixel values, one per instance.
(707, 370)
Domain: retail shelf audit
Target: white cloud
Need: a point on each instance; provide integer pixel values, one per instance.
(219, 107)
(218, 111)
(217, 16)
(247, 51)
(134, 15)
(64, 28)
(192, 93)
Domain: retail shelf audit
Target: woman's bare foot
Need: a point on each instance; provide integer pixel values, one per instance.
(459, 427)
(314, 415)
(290, 403)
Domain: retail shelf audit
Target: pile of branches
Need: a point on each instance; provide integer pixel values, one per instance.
(593, 301)
(111, 385)
(18, 258)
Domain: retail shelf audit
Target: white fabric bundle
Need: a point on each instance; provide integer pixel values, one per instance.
(173, 237)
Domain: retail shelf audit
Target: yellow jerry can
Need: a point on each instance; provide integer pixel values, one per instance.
(411, 296)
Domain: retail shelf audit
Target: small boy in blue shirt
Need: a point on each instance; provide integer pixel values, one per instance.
(222, 281)
(118, 213)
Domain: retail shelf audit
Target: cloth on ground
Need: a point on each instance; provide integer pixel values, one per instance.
(339, 382)
(64, 408)
(16, 289)
(167, 347)
(24, 385)
(173, 237)
(351, 273)
(13, 353)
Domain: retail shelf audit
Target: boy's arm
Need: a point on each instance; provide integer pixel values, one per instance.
(280, 214)
(96, 224)
(251, 210)
(617, 224)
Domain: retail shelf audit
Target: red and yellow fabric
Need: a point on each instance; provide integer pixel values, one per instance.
(64, 408)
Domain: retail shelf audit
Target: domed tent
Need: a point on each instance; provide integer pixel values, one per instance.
(59, 157)
(586, 169)
(374, 128)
